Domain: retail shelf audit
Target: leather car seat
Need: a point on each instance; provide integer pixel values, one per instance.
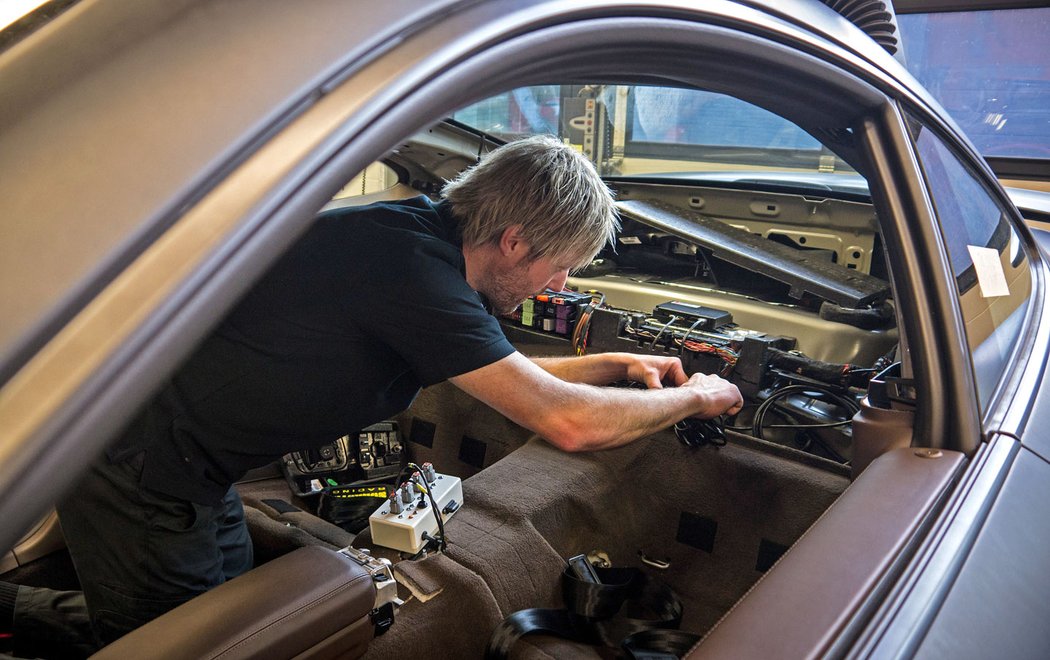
(311, 603)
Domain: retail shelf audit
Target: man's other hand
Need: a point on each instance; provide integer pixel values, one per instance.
(720, 396)
(655, 370)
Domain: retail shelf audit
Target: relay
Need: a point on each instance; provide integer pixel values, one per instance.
(554, 312)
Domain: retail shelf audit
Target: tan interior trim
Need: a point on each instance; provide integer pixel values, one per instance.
(44, 538)
(395, 192)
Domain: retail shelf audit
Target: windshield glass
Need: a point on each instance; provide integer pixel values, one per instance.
(631, 130)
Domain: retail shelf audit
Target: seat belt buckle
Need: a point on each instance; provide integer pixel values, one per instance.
(583, 570)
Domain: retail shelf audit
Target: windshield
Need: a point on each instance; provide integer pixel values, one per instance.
(630, 130)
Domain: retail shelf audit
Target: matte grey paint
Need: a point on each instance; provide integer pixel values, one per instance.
(1010, 562)
(122, 160)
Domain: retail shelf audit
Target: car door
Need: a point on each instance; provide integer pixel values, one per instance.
(85, 374)
(959, 598)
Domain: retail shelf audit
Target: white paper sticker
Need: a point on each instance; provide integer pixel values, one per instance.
(630, 240)
(990, 275)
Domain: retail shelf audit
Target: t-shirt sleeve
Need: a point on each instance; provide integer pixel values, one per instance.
(420, 305)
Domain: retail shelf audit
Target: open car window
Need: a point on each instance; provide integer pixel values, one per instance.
(639, 129)
(748, 246)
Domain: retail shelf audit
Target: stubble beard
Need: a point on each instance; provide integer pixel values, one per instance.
(505, 291)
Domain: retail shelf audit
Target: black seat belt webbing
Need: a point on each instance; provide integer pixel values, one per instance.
(625, 608)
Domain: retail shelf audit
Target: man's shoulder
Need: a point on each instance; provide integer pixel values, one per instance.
(403, 239)
(415, 215)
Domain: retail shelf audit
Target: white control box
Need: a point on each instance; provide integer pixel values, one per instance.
(404, 530)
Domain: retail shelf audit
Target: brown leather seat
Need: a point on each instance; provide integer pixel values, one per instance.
(311, 603)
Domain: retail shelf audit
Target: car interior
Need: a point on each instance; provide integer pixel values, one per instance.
(771, 527)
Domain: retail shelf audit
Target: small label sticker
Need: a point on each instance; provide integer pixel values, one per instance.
(630, 240)
(990, 275)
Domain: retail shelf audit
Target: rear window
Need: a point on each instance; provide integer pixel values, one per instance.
(639, 129)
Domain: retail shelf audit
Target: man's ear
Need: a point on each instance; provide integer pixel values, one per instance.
(512, 244)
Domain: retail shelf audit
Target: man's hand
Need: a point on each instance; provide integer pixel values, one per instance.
(722, 396)
(717, 395)
(560, 399)
(655, 370)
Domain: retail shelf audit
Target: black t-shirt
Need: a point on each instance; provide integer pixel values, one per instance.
(369, 306)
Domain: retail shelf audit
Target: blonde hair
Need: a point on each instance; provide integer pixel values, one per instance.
(564, 208)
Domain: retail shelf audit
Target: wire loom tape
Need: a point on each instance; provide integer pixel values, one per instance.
(626, 610)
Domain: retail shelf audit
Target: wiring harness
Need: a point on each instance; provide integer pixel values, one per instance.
(692, 341)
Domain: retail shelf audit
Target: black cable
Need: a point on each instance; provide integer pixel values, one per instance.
(813, 437)
(397, 481)
(809, 436)
(428, 491)
(737, 415)
(763, 408)
(699, 432)
(826, 425)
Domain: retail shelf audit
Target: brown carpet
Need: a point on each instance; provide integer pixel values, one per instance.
(718, 516)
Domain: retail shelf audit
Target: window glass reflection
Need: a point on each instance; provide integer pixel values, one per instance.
(988, 261)
(991, 72)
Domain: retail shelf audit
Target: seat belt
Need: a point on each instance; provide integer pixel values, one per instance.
(614, 607)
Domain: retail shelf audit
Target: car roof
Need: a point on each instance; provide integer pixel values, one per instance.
(209, 77)
(116, 116)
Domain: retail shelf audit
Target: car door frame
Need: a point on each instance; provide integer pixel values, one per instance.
(151, 315)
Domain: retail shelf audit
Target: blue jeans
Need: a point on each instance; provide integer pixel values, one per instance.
(139, 554)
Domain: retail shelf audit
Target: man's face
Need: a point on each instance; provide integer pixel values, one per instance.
(509, 286)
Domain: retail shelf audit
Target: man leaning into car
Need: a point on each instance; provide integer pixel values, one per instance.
(372, 304)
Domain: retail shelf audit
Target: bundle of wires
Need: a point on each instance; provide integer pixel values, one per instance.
(637, 333)
(699, 432)
(842, 375)
(729, 357)
(583, 324)
(685, 343)
(810, 390)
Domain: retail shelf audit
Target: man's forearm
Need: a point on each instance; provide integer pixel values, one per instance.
(604, 417)
(597, 369)
(560, 398)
